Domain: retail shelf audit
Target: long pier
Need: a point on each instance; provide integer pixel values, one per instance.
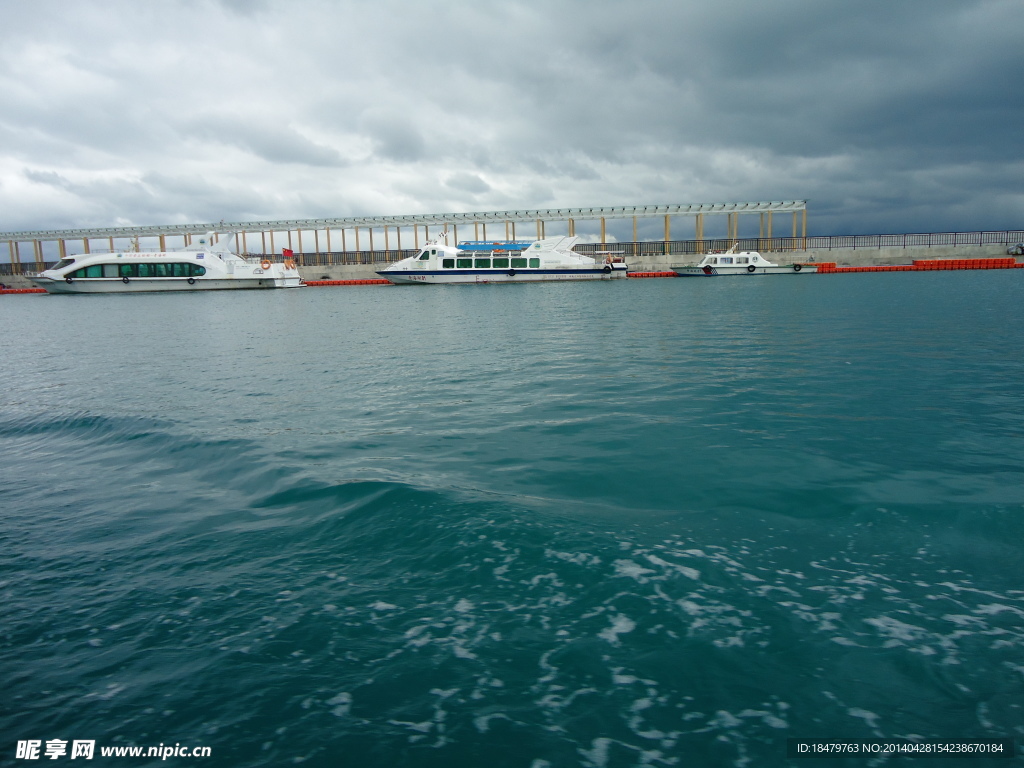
(349, 235)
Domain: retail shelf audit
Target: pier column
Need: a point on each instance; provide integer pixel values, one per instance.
(112, 239)
(572, 228)
(37, 248)
(15, 258)
(484, 225)
(316, 245)
(768, 222)
(264, 236)
(634, 229)
(476, 230)
(699, 232)
(290, 241)
(371, 238)
(803, 215)
(328, 239)
(62, 249)
(387, 242)
(272, 249)
(455, 235)
(668, 231)
(163, 242)
(732, 224)
(85, 244)
(356, 230)
(344, 245)
(602, 230)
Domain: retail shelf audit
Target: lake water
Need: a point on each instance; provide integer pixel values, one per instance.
(648, 522)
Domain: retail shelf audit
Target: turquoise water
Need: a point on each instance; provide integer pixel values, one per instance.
(655, 522)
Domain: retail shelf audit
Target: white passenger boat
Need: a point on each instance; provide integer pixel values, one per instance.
(734, 262)
(501, 262)
(204, 265)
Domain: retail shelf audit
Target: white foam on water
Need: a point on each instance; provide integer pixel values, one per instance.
(868, 717)
(597, 755)
(341, 704)
(577, 558)
(690, 573)
(898, 631)
(621, 625)
(629, 569)
(483, 722)
(995, 609)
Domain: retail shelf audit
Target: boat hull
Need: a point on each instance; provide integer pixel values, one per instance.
(157, 284)
(472, 276)
(710, 271)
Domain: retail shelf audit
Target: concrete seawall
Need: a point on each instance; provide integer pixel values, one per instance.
(853, 257)
(846, 257)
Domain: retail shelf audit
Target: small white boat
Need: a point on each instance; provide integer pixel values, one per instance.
(734, 262)
(205, 265)
(501, 262)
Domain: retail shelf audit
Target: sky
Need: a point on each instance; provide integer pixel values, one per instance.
(885, 115)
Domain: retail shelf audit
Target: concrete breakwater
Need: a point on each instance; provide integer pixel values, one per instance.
(646, 262)
(662, 262)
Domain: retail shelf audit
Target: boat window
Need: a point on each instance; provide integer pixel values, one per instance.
(727, 260)
(464, 263)
(535, 263)
(500, 263)
(145, 270)
(482, 264)
(448, 263)
(742, 260)
(518, 263)
(96, 270)
(713, 260)
(127, 270)
(63, 263)
(161, 270)
(198, 270)
(433, 252)
(110, 270)
(424, 256)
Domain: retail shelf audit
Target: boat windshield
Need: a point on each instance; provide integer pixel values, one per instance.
(63, 263)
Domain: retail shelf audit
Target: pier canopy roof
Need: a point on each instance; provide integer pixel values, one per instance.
(349, 222)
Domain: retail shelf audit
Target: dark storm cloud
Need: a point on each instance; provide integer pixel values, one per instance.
(885, 116)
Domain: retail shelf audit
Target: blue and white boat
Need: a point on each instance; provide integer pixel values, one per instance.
(501, 262)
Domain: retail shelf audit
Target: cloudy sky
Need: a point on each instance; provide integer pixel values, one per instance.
(886, 115)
